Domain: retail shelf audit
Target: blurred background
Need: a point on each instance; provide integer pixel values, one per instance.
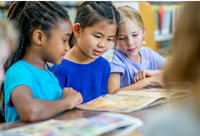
(160, 19)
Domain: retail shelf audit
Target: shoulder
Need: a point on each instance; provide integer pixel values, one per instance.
(119, 59)
(64, 65)
(20, 73)
(20, 67)
(147, 50)
(148, 53)
(103, 60)
(118, 56)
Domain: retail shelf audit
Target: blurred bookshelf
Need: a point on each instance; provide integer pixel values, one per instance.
(71, 6)
(166, 15)
(163, 13)
(4, 5)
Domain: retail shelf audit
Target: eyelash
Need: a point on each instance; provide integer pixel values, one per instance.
(135, 35)
(100, 37)
(132, 35)
(96, 36)
(64, 41)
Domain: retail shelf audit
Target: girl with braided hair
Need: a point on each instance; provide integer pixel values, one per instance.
(83, 68)
(32, 92)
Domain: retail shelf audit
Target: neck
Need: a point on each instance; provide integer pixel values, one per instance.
(34, 59)
(136, 59)
(76, 55)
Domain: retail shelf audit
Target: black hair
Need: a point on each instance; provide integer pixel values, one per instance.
(29, 16)
(91, 12)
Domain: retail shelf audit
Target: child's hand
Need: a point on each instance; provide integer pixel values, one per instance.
(156, 80)
(142, 74)
(72, 97)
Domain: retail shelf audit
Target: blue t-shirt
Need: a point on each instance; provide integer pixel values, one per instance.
(150, 60)
(44, 85)
(90, 80)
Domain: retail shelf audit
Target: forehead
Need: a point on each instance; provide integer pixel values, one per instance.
(103, 26)
(62, 28)
(129, 26)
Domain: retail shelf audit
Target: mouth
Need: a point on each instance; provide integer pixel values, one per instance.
(97, 53)
(132, 49)
(63, 55)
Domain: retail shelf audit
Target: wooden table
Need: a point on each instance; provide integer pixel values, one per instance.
(144, 114)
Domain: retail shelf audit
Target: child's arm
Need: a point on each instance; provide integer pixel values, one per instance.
(142, 74)
(148, 73)
(114, 83)
(30, 109)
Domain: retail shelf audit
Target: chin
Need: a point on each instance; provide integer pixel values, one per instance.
(95, 57)
(57, 62)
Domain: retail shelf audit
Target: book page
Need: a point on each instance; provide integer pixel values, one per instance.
(120, 103)
(92, 126)
(156, 92)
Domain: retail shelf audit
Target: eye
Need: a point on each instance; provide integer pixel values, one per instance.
(109, 39)
(135, 35)
(97, 36)
(64, 41)
(122, 38)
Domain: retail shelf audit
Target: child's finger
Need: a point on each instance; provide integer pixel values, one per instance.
(144, 75)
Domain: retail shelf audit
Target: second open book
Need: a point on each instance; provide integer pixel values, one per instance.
(129, 101)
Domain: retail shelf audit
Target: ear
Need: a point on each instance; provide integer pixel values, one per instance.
(144, 32)
(38, 37)
(77, 29)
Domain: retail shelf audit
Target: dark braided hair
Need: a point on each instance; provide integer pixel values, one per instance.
(29, 16)
(91, 12)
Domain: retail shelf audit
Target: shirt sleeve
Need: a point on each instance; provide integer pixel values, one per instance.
(117, 64)
(15, 76)
(159, 60)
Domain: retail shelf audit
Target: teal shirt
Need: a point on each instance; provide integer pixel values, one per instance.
(44, 85)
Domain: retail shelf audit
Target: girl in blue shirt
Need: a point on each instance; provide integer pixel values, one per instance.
(133, 67)
(32, 93)
(83, 67)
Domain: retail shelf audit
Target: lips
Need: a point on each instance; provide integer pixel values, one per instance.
(98, 53)
(63, 55)
(132, 50)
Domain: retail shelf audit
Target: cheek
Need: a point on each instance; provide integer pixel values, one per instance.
(139, 41)
(108, 45)
(121, 44)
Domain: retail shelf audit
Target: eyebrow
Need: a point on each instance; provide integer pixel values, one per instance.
(68, 34)
(131, 33)
(103, 34)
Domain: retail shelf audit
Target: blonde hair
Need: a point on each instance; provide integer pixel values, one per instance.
(128, 13)
(9, 33)
(185, 63)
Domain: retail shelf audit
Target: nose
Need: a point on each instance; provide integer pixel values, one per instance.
(130, 41)
(102, 44)
(67, 48)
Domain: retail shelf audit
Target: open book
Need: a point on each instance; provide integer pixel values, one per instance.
(92, 126)
(129, 101)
